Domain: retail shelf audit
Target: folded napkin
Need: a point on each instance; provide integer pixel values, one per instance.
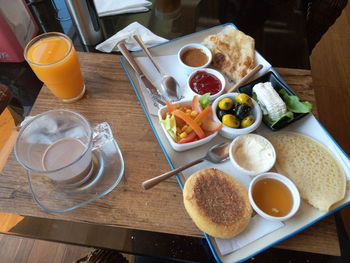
(126, 35)
(115, 7)
(257, 228)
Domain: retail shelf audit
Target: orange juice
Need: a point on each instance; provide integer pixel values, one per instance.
(54, 60)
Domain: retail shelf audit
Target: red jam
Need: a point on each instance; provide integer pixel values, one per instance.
(203, 82)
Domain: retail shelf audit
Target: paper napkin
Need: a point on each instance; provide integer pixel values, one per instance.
(126, 35)
(115, 7)
(257, 228)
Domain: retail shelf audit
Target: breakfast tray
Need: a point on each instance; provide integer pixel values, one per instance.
(306, 216)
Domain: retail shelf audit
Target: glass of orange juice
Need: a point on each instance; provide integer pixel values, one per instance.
(54, 60)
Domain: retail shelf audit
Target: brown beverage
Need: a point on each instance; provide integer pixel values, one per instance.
(62, 153)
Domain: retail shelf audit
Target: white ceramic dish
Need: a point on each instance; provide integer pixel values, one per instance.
(231, 133)
(188, 69)
(288, 183)
(186, 146)
(213, 72)
(254, 145)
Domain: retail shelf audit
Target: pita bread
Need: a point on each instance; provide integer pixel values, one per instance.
(314, 170)
(233, 52)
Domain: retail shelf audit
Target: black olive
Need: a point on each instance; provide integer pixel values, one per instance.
(235, 108)
(242, 110)
(221, 113)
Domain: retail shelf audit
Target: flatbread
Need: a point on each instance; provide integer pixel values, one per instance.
(317, 174)
(233, 52)
(217, 203)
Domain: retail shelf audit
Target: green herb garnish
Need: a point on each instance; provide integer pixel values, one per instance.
(204, 100)
(294, 104)
(170, 125)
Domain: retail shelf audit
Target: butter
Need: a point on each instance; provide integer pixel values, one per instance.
(253, 153)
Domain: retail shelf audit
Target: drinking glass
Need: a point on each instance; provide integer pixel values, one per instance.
(68, 162)
(34, 146)
(54, 60)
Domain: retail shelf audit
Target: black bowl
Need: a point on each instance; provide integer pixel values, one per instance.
(277, 85)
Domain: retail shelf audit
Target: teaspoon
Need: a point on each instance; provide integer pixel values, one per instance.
(216, 154)
(169, 85)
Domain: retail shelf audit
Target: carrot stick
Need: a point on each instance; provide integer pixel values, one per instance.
(192, 123)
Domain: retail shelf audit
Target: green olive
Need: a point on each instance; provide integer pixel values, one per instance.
(225, 104)
(244, 98)
(230, 121)
(247, 121)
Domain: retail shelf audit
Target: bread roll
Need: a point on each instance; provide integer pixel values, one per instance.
(217, 203)
(314, 170)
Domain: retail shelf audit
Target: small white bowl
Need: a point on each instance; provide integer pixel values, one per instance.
(249, 150)
(288, 183)
(212, 72)
(231, 133)
(188, 69)
(186, 146)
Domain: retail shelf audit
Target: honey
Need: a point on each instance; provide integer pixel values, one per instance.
(272, 197)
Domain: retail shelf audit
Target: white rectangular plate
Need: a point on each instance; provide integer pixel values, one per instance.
(308, 125)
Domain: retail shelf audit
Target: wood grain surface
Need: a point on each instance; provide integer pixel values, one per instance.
(110, 98)
(25, 250)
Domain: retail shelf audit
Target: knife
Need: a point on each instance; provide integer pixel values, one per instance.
(155, 95)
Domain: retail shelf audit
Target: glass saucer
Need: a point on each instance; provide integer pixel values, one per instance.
(106, 172)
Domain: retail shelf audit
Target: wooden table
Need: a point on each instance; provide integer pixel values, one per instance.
(110, 98)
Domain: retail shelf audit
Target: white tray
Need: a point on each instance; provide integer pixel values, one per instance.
(308, 125)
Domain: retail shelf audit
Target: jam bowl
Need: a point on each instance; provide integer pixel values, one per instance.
(194, 56)
(206, 80)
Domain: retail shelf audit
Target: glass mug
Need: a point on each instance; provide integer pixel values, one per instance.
(59, 145)
(54, 61)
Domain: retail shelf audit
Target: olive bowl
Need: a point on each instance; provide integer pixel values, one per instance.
(232, 133)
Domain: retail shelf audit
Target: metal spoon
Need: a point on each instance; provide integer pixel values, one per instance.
(216, 154)
(169, 85)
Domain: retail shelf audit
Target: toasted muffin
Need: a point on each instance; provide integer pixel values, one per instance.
(217, 203)
(313, 168)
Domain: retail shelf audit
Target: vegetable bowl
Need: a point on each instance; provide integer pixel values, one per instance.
(187, 125)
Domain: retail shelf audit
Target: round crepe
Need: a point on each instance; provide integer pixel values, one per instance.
(217, 203)
(315, 171)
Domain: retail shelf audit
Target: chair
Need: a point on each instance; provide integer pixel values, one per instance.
(7, 125)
